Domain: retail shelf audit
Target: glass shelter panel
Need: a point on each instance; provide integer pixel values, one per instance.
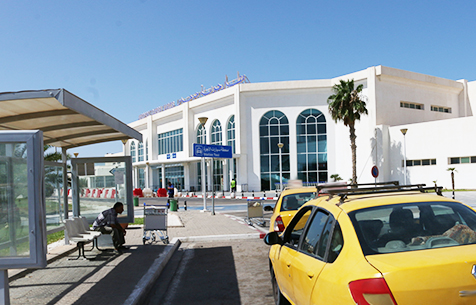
(101, 182)
(14, 222)
(22, 201)
(54, 195)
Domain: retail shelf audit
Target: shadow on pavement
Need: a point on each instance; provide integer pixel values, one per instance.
(208, 276)
(107, 279)
(121, 276)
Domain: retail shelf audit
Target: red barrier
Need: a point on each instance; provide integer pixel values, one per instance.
(137, 192)
(161, 193)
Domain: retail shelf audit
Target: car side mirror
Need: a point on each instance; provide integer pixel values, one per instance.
(268, 208)
(273, 238)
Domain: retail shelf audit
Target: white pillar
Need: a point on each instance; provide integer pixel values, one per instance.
(226, 175)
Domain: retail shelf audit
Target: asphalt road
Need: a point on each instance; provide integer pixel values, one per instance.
(217, 272)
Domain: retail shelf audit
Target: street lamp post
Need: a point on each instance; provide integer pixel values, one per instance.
(203, 120)
(404, 132)
(280, 146)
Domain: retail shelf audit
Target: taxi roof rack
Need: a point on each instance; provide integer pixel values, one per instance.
(333, 188)
(353, 189)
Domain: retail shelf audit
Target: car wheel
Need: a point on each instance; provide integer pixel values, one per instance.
(279, 298)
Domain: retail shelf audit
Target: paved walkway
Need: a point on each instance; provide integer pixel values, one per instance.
(119, 279)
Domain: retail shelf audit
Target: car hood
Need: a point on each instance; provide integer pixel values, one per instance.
(432, 276)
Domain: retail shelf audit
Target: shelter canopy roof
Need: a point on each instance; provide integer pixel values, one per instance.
(66, 120)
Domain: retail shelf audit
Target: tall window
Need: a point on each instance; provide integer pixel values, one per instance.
(201, 139)
(141, 178)
(133, 151)
(274, 129)
(146, 150)
(170, 142)
(216, 139)
(230, 141)
(230, 133)
(311, 146)
(201, 135)
(140, 152)
(216, 133)
(175, 174)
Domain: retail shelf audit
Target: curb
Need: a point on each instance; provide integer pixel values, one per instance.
(144, 285)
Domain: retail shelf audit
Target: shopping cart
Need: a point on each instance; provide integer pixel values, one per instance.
(155, 224)
(255, 211)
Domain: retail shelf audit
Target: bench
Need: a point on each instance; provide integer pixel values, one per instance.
(77, 230)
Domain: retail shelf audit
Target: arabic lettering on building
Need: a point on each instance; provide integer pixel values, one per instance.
(219, 87)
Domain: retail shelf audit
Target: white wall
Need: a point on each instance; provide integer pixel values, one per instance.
(441, 140)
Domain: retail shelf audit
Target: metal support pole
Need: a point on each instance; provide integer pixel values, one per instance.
(204, 192)
(404, 160)
(4, 288)
(213, 185)
(280, 146)
(404, 132)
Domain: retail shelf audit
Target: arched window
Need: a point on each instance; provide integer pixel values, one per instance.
(216, 139)
(274, 129)
(230, 141)
(201, 139)
(140, 152)
(216, 133)
(230, 133)
(133, 151)
(201, 135)
(311, 146)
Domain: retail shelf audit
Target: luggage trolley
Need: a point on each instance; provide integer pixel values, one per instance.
(255, 210)
(155, 223)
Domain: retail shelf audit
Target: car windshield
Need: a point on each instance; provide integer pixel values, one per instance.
(293, 202)
(414, 226)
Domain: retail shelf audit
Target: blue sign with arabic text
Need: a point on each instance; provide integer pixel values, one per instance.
(212, 151)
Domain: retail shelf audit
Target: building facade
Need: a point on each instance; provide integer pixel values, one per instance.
(254, 118)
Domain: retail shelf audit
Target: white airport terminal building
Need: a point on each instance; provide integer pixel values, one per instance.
(254, 117)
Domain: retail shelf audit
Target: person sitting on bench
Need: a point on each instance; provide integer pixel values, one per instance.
(107, 223)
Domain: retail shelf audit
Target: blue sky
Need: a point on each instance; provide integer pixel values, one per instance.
(129, 57)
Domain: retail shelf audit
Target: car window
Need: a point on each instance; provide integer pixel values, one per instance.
(414, 226)
(337, 243)
(323, 242)
(293, 202)
(295, 229)
(310, 242)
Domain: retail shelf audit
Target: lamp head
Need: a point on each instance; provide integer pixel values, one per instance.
(124, 141)
(203, 120)
(280, 145)
(75, 155)
(404, 131)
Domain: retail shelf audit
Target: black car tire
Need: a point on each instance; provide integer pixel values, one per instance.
(279, 298)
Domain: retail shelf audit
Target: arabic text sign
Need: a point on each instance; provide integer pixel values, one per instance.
(212, 151)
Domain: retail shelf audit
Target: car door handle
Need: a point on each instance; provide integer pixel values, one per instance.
(310, 274)
(288, 263)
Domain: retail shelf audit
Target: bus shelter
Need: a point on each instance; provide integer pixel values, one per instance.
(34, 194)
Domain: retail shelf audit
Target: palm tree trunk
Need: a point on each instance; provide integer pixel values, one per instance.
(353, 147)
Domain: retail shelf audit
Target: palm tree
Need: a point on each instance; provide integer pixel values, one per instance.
(347, 104)
(452, 170)
(336, 177)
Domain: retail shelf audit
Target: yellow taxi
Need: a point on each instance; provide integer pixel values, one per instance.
(290, 200)
(376, 246)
